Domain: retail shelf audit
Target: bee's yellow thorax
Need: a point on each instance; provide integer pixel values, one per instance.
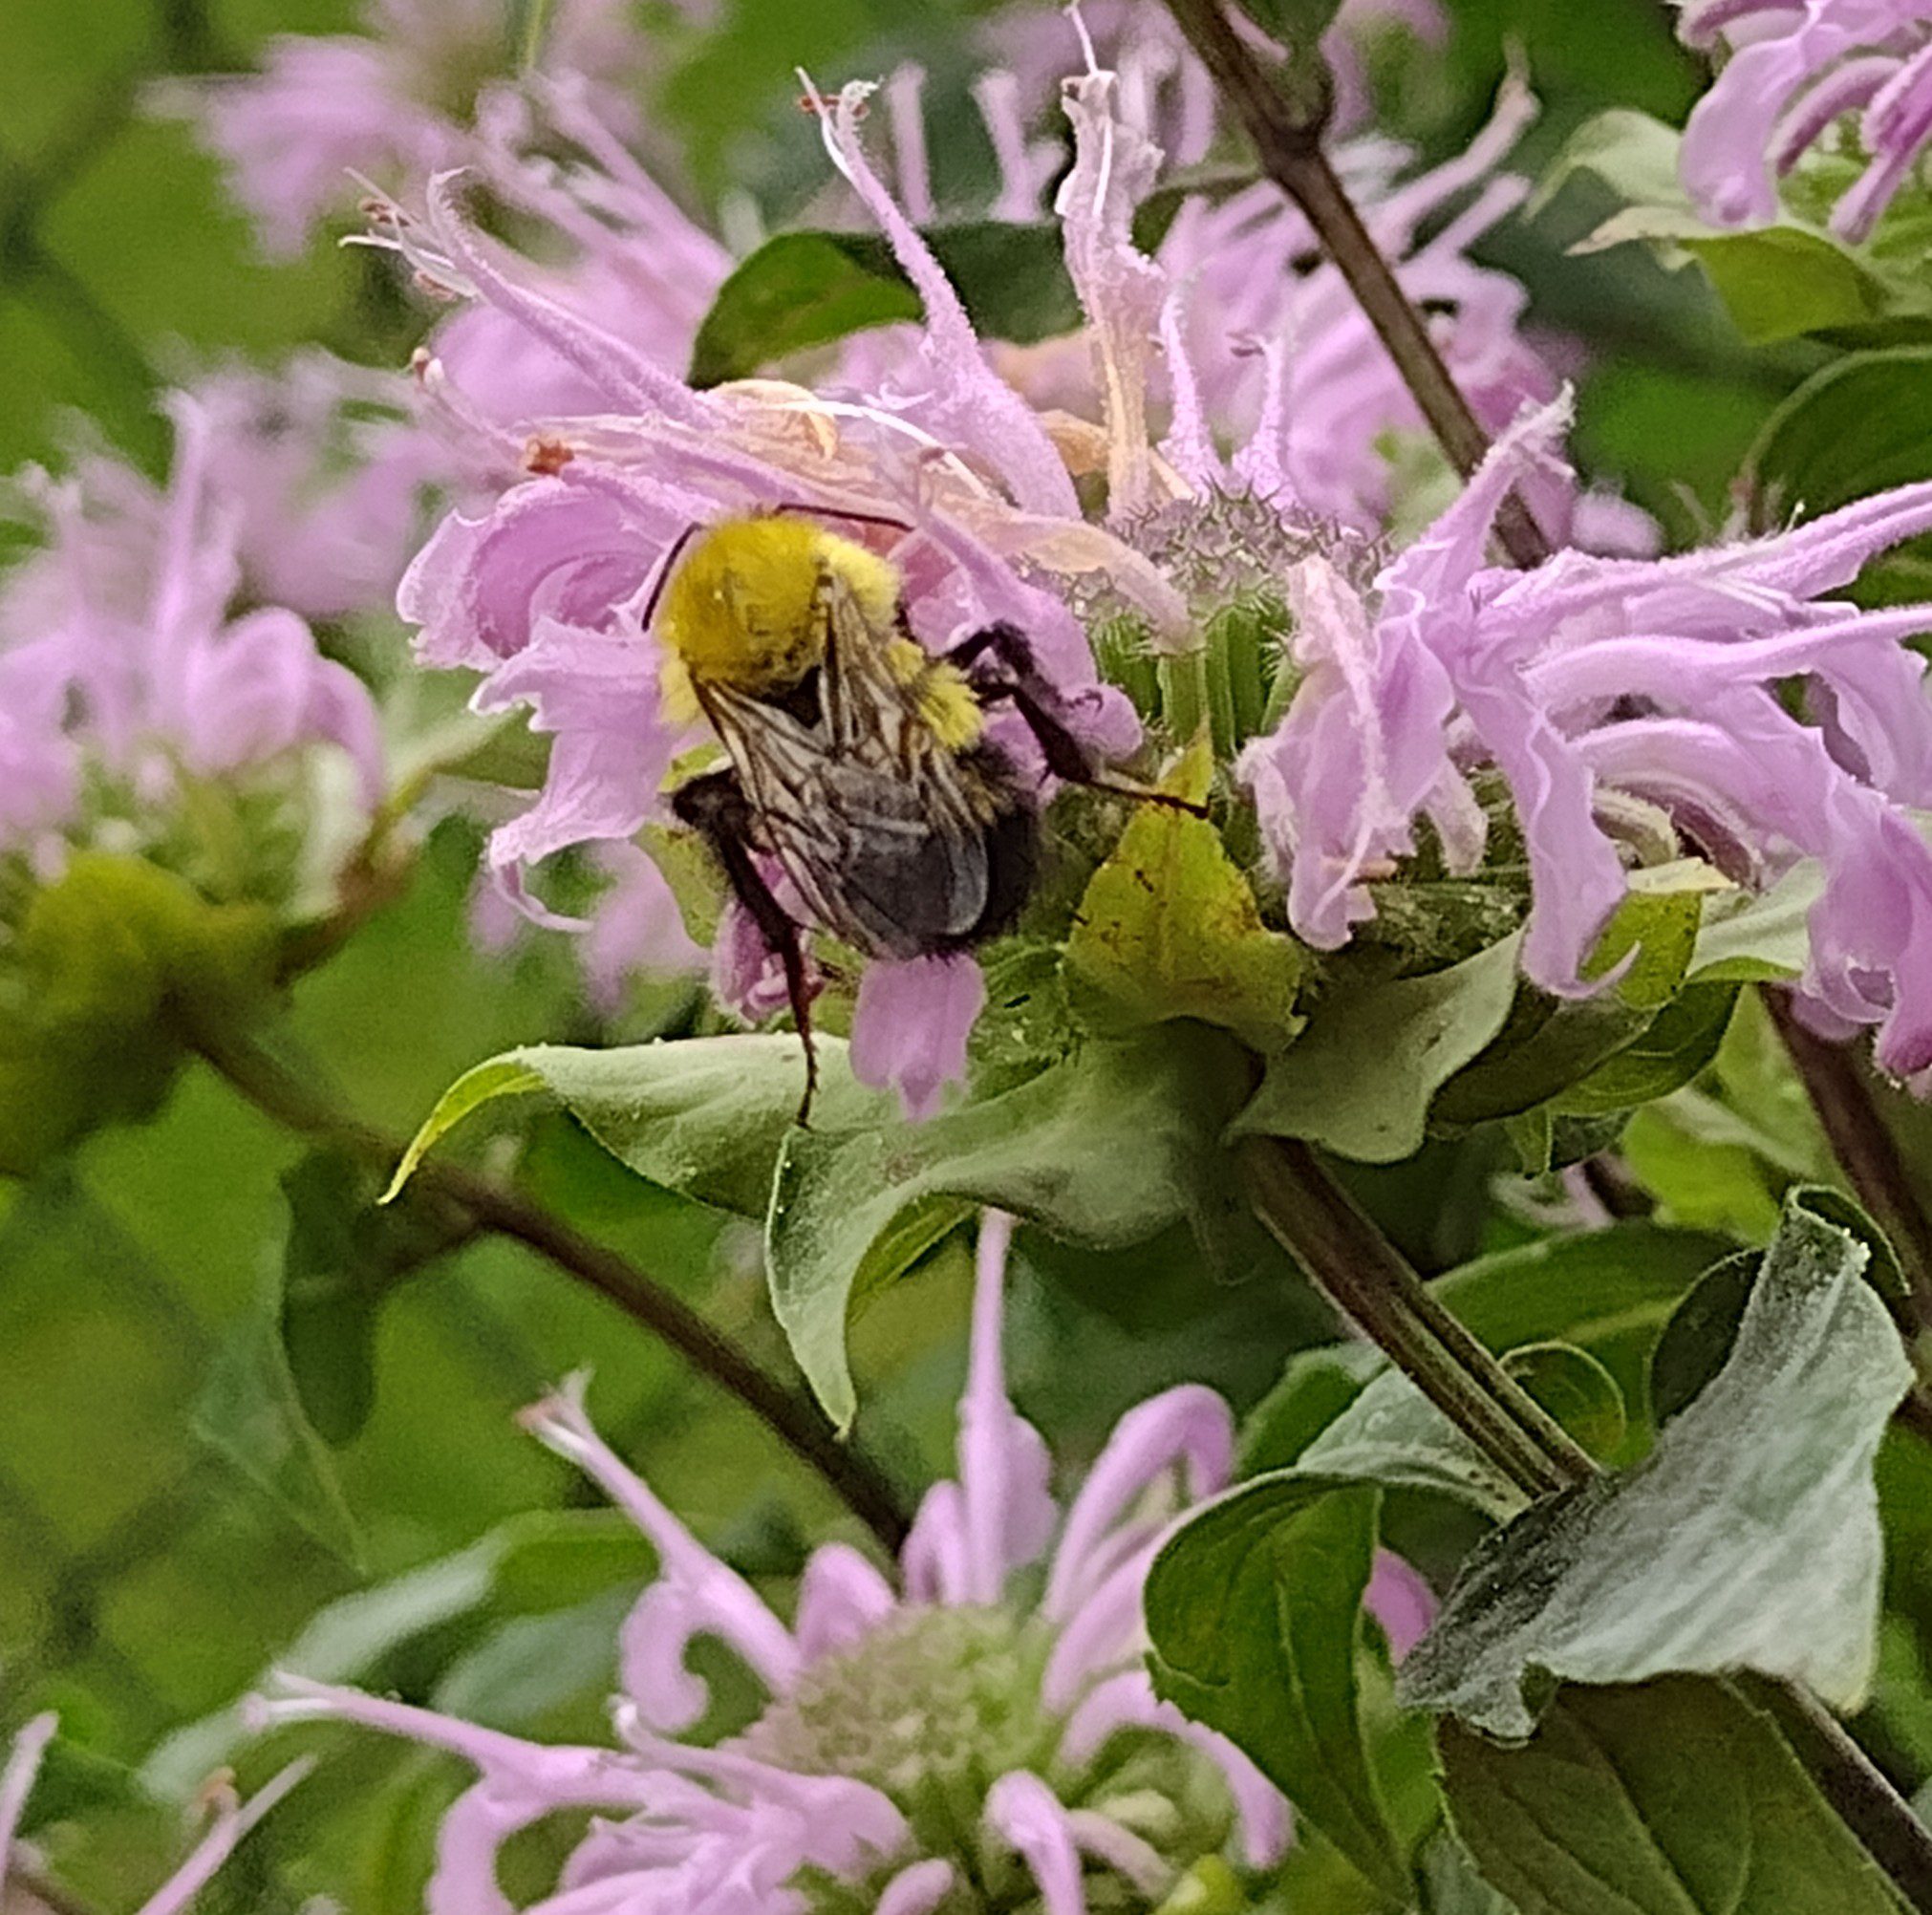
(743, 608)
(947, 705)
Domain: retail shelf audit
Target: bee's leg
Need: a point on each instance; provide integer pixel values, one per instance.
(716, 807)
(1021, 683)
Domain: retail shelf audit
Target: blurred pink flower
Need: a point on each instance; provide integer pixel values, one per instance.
(233, 1819)
(1168, 92)
(1274, 379)
(393, 104)
(117, 641)
(1795, 69)
(984, 1716)
(324, 478)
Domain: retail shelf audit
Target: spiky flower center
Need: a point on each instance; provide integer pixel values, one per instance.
(933, 1708)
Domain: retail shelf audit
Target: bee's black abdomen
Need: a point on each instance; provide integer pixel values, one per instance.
(1012, 860)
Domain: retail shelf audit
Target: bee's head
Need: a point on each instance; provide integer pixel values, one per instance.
(741, 605)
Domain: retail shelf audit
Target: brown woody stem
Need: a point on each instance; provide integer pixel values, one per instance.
(1287, 138)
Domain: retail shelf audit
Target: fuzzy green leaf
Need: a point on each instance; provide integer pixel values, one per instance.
(1392, 1434)
(1748, 1539)
(1360, 1081)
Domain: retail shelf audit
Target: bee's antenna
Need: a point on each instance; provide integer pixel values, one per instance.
(665, 570)
(840, 512)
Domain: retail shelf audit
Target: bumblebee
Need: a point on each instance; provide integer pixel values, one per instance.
(859, 761)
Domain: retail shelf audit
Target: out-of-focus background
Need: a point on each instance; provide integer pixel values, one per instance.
(162, 1534)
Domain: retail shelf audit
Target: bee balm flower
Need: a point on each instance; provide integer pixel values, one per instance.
(1658, 678)
(978, 1724)
(232, 1820)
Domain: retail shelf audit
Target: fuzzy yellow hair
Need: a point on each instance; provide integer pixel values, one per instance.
(743, 607)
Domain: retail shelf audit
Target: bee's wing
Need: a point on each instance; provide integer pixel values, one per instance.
(874, 824)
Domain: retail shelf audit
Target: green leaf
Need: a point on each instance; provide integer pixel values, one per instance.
(1653, 932)
(251, 1414)
(705, 1116)
(1777, 283)
(1254, 1612)
(1548, 1045)
(1859, 427)
(1315, 1388)
(1748, 1537)
(1672, 1049)
(808, 289)
(341, 1257)
(506, 1076)
(1576, 1391)
(1633, 154)
(1451, 1885)
(1392, 1434)
(1782, 282)
(1609, 1292)
(1105, 1150)
(1721, 1153)
(1762, 939)
(1169, 928)
(1885, 1274)
(1701, 1334)
(1674, 1798)
(1360, 1080)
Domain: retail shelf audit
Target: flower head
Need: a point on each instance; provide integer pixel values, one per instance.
(395, 102)
(231, 1819)
(125, 664)
(1281, 364)
(1793, 73)
(1591, 677)
(978, 1721)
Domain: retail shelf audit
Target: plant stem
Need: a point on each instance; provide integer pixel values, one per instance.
(1368, 1280)
(487, 1204)
(1849, 1779)
(1866, 1150)
(1342, 1250)
(1287, 140)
